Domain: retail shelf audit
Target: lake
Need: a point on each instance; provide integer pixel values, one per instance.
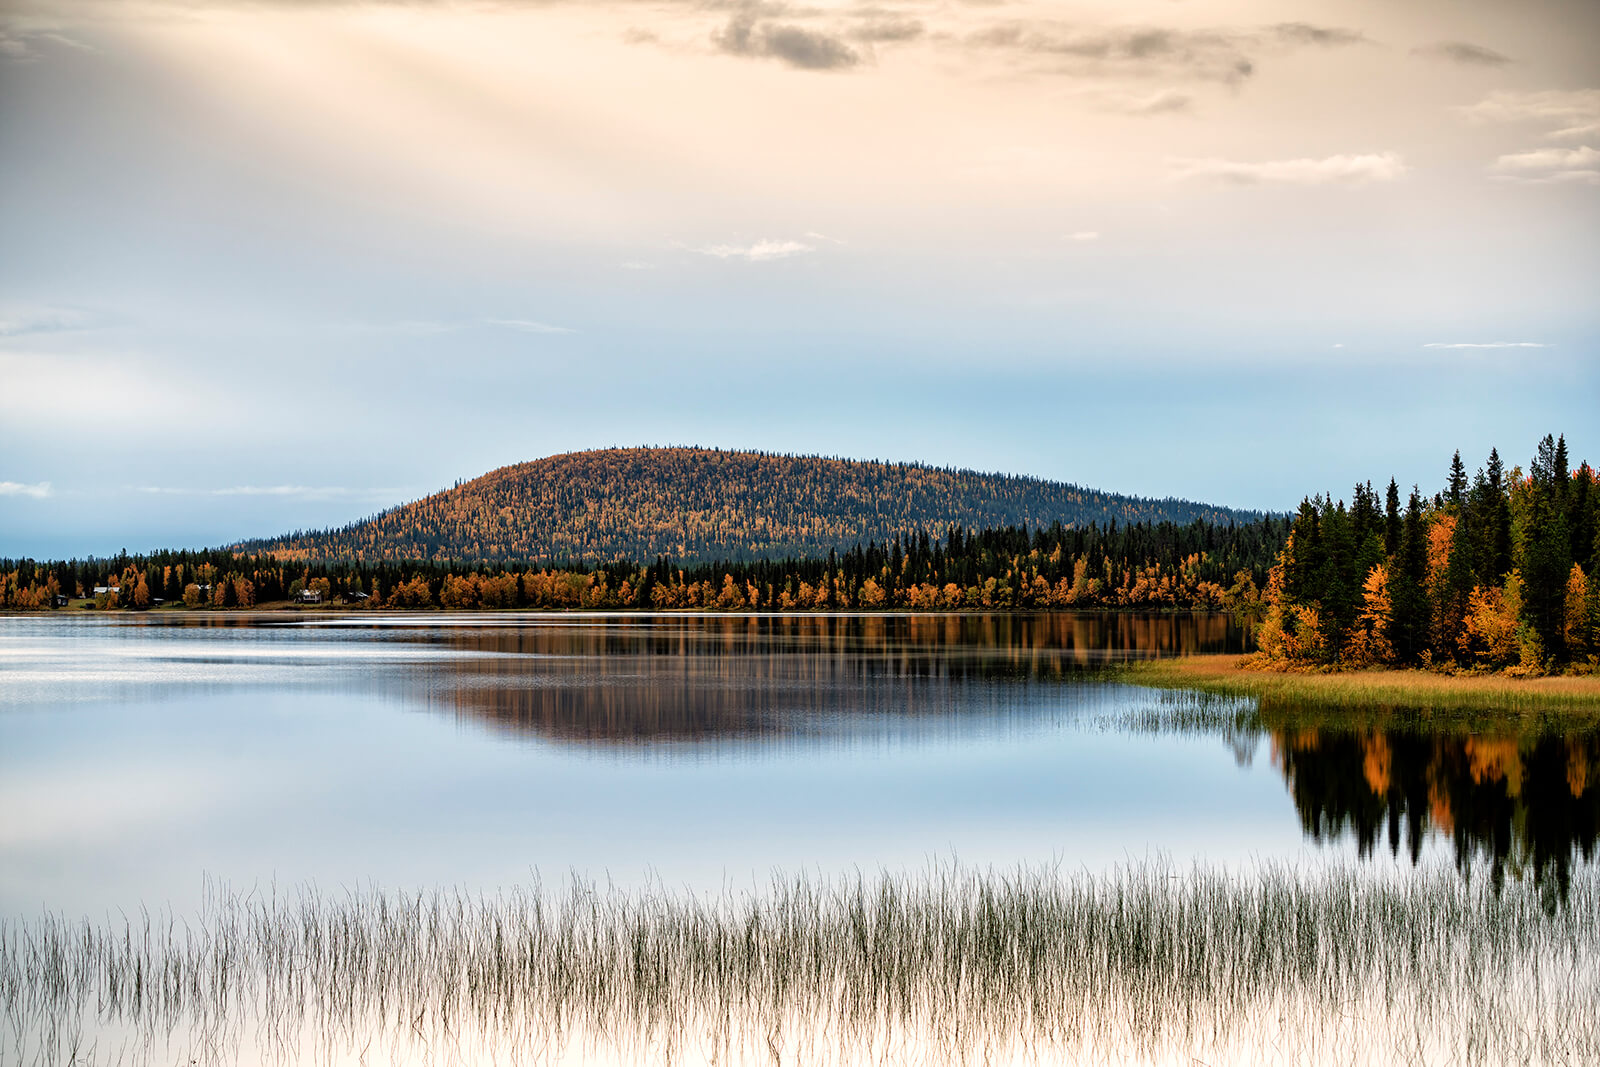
(156, 761)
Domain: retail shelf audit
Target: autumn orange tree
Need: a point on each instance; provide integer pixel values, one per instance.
(1498, 573)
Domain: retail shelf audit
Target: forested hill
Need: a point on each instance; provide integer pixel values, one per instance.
(703, 504)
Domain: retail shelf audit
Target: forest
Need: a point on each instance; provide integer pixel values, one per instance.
(1199, 565)
(705, 505)
(1495, 572)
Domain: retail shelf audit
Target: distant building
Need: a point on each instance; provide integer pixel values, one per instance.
(309, 596)
(102, 590)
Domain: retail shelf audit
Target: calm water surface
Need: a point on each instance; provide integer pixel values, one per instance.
(142, 755)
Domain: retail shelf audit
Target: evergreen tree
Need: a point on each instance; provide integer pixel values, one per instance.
(1408, 628)
(1496, 553)
(1391, 519)
(1457, 489)
(1547, 558)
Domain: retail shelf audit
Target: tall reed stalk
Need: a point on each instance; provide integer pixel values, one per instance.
(1143, 964)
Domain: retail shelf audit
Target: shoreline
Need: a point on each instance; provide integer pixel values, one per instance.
(1225, 674)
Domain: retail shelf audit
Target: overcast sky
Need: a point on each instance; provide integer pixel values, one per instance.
(271, 265)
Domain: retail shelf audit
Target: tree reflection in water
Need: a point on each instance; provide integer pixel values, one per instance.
(1527, 804)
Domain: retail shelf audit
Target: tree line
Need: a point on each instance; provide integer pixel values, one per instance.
(1200, 565)
(1494, 572)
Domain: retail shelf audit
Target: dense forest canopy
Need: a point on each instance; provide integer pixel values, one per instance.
(1496, 571)
(1200, 565)
(697, 505)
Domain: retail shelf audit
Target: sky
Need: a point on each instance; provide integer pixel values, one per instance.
(279, 264)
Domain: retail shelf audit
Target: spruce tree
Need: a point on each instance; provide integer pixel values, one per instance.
(1547, 556)
(1456, 492)
(1391, 519)
(1409, 618)
(1496, 554)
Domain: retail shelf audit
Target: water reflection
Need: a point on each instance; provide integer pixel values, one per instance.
(637, 680)
(1525, 805)
(678, 741)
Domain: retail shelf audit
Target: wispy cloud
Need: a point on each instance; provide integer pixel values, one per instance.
(1139, 50)
(23, 45)
(1556, 107)
(1165, 102)
(1084, 235)
(425, 327)
(307, 492)
(1304, 33)
(1208, 55)
(37, 490)
(25, 321)
(528, 326)
(758, 252)
(1551, 166)
(1486, 344)
(1472, 55)
(1330, 170)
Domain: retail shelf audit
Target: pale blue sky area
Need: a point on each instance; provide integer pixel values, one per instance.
(270, 266)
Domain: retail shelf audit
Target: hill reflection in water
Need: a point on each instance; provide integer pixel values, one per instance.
(635, 680)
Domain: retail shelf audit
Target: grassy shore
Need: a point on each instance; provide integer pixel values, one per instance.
(1232, 676)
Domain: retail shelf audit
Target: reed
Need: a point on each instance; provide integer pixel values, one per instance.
(1145, 963)
(1575, 695)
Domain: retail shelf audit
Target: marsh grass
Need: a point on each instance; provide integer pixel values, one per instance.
(1143, 964)
(1426, 694)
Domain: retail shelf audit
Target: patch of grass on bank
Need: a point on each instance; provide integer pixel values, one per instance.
(1230, 675)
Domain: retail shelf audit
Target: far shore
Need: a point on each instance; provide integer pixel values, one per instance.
(1232, 675)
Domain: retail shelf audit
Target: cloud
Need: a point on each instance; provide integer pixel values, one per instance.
(1487, 344)
(1084, 235)
(758, 252)
(23, 45)
(1210, 55)
(528, 326)
(37, 490)
(1576, 133)
(746, 35)
(1303, 33)
(428, 327)
(308, 492)
(1546, 166)
(25, 321)
(1164, 102)
(1332, 170)
(888, 30)
(1472, 55)
(1199, 54)
(1550, 159)
(1555, 107)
